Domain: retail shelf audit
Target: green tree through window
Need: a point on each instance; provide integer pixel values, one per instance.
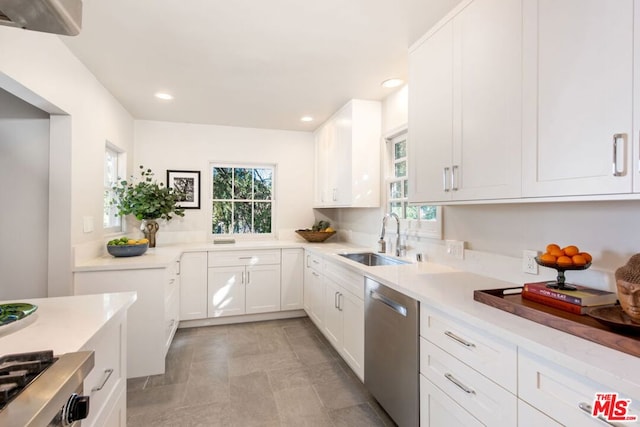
(242, 199)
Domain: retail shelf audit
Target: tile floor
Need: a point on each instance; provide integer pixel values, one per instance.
(275, 373)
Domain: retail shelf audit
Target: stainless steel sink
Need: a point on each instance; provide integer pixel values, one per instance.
(373, 259)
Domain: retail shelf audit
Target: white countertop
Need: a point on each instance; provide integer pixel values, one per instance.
(62, 324)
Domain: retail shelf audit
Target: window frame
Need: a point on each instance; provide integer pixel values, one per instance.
(243, 165)
(118, 225)
(420, 228)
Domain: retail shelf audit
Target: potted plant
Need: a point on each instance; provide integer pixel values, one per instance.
(148, 201)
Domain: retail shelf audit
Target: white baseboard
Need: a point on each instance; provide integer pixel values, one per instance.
(245, 318)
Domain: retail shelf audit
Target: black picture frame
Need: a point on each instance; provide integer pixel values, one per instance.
(188, 182)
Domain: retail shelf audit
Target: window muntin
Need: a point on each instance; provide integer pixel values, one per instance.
(242, 199)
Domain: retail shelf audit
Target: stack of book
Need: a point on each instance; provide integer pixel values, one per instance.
(573, 301)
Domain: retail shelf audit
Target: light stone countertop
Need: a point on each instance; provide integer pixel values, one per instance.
(62, 324)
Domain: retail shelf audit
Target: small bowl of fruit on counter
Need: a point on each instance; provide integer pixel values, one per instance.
(320, 232)
(126, 247)
(563, 259)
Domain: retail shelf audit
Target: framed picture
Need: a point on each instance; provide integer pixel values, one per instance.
(187, 182)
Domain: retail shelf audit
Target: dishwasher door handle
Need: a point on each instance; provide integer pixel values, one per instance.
(397, 307)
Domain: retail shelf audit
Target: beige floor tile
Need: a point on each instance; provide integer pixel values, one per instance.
(252, 401)
(355, 416)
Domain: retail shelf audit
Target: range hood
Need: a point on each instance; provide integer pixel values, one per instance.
(50, 16)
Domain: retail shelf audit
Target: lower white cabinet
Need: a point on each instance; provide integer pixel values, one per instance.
(243, 282)
(439, 410)
(292, 279)
(193, 285)
(314, 289)
(106, 383)
(528, 416)
(565, 395)
(152, 319)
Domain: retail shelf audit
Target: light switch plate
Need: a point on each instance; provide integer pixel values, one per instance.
(87, 224)
(455, 248)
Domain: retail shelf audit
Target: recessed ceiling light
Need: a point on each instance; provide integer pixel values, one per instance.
(306, 119)
(392, 82)
(164, 96)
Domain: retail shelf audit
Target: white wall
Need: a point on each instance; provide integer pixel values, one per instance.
(39, 68)
(24, 174)
(164, 146)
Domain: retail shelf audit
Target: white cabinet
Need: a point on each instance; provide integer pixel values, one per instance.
(243, 282)
(106, 383)
(292, 279)
(465, 106)
(314, 289)
(565, 395)
(347, 171)
(439, 410)
(152, 320)
(344, 314)
(464, 367)
(528, 416)
(578, 89)
(193, 285)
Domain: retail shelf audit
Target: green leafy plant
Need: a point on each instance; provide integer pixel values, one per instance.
(146, 198)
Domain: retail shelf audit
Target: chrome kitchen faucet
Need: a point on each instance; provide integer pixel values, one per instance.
(382, 245)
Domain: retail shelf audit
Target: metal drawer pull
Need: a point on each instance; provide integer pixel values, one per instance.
(248, 277)
(246, 257)
(315, 274)
(589, 410)
(454, 181)
(335, 300)
(460, 340)
(617, 137)
(101, 386)
(459, 384)
(398, 308)
(445, 187)
(340, 301)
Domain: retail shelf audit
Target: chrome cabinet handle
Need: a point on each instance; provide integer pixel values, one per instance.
(245, 257)
(308, 260)
(445, 174)
(454, 181)
(248, 277)
(589, 410)
(101, 386)
(171, 281)
(616, 138)
(315, 261)
(459, 340)
(315, 274)
(460, 385)
(340, 301)
(335, 194)
(335, 300)
(242, 279)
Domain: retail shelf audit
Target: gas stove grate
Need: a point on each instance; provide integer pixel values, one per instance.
(17, 371)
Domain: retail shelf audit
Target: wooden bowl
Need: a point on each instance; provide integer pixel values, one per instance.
(315, 236)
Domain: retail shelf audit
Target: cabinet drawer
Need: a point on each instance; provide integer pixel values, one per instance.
(561, 393)
(226, 259)
(313, 261)
(484, 399)
(349, 279)
(439, 410)
(487, 354)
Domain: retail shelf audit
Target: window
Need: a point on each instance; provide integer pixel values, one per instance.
(113, 166)
(424, 218)
(242, 199)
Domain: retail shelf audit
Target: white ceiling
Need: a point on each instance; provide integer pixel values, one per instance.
(249, 63)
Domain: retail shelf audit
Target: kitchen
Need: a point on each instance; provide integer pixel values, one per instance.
(41, 70)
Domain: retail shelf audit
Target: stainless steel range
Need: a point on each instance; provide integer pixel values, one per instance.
(38, 389)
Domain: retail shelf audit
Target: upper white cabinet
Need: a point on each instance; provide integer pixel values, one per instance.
(578, 97)
(465, 100)
(348, 157)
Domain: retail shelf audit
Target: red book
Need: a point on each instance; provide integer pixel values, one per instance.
(555, 303)
(582, 296)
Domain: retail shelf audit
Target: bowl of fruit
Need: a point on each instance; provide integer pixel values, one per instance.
(320, 232)
(126, 247)
(563, 259)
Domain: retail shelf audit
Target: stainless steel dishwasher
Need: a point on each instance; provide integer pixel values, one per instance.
(391, 356)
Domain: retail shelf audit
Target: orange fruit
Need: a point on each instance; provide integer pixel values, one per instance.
(548, 258)
(587, 256)
(557, 252)
(578, 260)
(551, 247)
(571, 250)
(564, 261)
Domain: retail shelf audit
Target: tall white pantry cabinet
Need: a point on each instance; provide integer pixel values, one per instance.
(517, 99)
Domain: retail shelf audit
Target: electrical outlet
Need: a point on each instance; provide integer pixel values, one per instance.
(455, 248)
(529, 264)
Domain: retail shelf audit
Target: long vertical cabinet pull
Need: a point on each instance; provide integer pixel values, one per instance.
(454, 178)
(616, 153)
(445, 175)
(335, 300)
(248, 277)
